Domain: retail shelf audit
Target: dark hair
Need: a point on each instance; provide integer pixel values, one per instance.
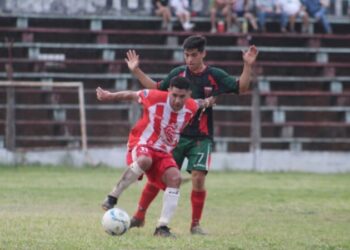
(180, 82)
(195, 42)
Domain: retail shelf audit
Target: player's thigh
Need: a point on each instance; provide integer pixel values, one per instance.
(179, 153)
(172, 177)
(161, 163)
(199, 156)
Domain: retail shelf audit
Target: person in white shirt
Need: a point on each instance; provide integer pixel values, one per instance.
(291, 9)
(181, 10)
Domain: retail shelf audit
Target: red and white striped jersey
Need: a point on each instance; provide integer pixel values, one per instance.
(160, 126)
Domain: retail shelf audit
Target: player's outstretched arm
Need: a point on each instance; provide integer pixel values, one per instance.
(133, 62)
(105, 95)
(206, 103)
(249, 58)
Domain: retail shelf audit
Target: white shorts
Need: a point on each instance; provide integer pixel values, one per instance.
(179, 6)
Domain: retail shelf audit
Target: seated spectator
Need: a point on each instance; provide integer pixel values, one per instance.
(223, 7)
(161, 9)
(318, 10)
(181, 10)
(290, 10)
(268, 8)
(242, 9)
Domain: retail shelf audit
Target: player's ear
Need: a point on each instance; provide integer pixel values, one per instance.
(204, 53)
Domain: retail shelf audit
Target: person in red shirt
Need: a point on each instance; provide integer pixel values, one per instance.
(152, 140)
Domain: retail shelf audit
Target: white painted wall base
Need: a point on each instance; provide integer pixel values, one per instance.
(316, 162)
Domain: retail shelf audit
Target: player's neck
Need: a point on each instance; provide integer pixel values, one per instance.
(199, 70)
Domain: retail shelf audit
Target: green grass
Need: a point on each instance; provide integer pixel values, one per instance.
(58, 208)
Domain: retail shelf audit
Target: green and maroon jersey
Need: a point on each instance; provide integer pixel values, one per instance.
(211, 82)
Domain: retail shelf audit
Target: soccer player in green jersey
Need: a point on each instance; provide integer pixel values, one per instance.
(197, 138)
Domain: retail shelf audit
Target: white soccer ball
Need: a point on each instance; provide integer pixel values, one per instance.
(115, 221)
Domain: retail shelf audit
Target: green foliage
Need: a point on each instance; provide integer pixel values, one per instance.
(59, 208)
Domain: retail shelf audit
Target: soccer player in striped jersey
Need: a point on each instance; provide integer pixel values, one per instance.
(151, 141)
(196, 140)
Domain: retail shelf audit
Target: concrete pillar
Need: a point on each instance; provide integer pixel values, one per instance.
(279, 116)
(336, 87)
(96, 24)
(22, 22)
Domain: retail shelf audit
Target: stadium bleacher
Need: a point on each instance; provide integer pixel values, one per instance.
(303, 80)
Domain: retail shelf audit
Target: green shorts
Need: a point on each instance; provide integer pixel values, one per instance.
(198, 153)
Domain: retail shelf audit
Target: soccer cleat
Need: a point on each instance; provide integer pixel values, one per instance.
(163, 231)
(109, 202)
(197, 230)
(134, 222)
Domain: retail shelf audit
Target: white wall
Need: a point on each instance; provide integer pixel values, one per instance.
(316, 162)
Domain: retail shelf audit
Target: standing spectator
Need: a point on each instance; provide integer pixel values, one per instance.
(318, 10)
(162, 9)
(223, 7)
(242, 9)
(268, 8)
(290, 10)
(181, 10)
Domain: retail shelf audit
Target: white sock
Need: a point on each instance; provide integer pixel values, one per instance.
(170, 200)
(129, 176)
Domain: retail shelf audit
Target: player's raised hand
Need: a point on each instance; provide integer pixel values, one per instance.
(102, 95)
(132, 60)
(250, 55)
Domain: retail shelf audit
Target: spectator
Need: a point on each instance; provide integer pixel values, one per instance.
(268, 8)
(181, 10)
(318, 10)
(291, 9)
(162, 9)
(223, 7)
(241, 9)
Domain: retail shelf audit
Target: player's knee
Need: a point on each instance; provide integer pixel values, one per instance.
(172, 177)
(144, 162)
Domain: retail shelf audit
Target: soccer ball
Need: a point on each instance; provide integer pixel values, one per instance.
(115, 221)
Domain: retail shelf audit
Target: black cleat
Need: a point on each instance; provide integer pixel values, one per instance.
(134, 222)
(163, 231)
(109, 202)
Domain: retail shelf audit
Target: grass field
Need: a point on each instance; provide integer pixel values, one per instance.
(58, 208)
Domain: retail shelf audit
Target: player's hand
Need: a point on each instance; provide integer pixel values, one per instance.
(132, 60)
(250, 55)
(209, 102)
(102, 95)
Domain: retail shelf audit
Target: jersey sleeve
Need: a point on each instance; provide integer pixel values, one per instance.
(193, 105)
(144, 95)
(165, 83)
(225, 83)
